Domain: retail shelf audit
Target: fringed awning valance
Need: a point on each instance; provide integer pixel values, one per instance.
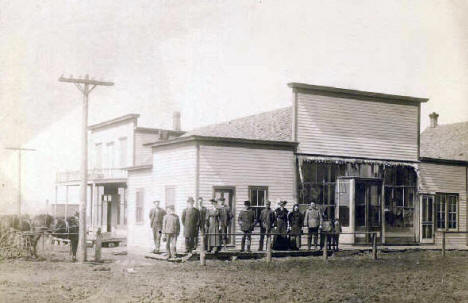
(338, 160)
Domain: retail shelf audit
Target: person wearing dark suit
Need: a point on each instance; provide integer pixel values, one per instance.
(281, 239)
(225, 218)
(246, 222)
(190, 220)
(202, 222)
(266, 221)
(295, 219)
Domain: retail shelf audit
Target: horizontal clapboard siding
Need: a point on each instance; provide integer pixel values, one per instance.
(243, 167)
(139, 235)
(356, 128)
(175, 166)
(143, 154)
(448, 179)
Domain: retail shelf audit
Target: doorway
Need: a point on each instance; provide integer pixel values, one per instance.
(427, 219)
(367, 215)
(228, 194)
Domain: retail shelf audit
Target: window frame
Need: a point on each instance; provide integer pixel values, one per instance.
(437, 200)
(123, 152)
(140, 204)
(166, 200)
(257, 208)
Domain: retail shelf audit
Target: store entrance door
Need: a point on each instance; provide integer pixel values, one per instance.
(367, 215)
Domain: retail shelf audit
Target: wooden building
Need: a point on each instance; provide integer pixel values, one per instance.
(359, 155)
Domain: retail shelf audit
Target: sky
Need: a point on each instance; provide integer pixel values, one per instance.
(211, 60)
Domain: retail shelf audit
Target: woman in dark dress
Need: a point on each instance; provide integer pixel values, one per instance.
(296, 221)
(281, 231)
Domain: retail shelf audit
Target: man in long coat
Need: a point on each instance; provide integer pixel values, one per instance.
(312, 220)
(202, 222)
(225, 217)
(190, 220)
(247, 222)
(171, 230)
(212, 227)
(266, 221)
(156, 216)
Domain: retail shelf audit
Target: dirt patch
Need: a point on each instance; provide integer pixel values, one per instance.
(395, 277)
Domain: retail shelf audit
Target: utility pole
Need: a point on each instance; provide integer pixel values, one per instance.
(86, 86)
(19, 150)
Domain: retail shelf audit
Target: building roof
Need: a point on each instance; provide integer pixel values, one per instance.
(446, 141)
(274, 125)
(114, 121)
(319, 89)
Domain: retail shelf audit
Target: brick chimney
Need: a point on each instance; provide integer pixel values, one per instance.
(176, 121)
(434, 116)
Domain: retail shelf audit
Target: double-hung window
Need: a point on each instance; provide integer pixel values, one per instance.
(446, 211)
(258, 195)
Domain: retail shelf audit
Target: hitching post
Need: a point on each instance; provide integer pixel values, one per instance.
(443, 244)
(202, 250)
(325, 248)
(97, 246)
(374, 246)
(268, 249)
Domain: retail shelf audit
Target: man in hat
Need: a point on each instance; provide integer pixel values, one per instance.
(156, 216)
(171, 230)
(202, 223)
(212, 226)
(225, 217)
(281, 240)
(246, 222)
(266, 222)
(295, 219)
(190, 220)
(312, 220)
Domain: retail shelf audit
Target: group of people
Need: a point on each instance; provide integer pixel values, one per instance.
(213, 224)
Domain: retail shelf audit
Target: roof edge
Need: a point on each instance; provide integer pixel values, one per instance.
(139, 167)
(225, 140)
(354, 92)
(114, 121)
(444, 161)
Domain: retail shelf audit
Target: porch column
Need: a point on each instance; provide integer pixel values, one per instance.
(382, 236)
(352, 207)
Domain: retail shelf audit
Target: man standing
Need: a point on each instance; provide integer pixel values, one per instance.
(202, 222)
(156, 220)
(247, 223)
(266, 221)
(171, 230)
(312, 220)
(190, 220)
(225, 217)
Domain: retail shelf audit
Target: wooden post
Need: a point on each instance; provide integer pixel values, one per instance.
(325, 249)
(374, 246)
(98, 246)
(268, 249)
(443, 244)
(202, 250)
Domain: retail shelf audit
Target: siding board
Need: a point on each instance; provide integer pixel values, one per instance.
(449, 179)
(356, 128)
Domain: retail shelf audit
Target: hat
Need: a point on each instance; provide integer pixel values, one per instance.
(221, 199)
(268, 202)
(190, 200)
(156, 201)
(247, 203)
(283, 203)
(170, 207)
(213, 201)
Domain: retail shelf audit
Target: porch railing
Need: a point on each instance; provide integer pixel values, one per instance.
(93, 174)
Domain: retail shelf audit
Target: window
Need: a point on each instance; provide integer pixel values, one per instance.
(446, 211)
(170, 196)
(257, 196)
(123, 152)
(98, 156)
(110, 155)
(139, 202)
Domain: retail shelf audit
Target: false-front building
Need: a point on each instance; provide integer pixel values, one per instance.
(359, 155)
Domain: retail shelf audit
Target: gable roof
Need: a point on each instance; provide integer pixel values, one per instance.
(120, 119)
(446, 141)
(274, 125)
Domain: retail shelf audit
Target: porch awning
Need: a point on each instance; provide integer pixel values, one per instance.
(339, 160)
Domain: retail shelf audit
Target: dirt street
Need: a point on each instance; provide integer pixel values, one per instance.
(395, 277)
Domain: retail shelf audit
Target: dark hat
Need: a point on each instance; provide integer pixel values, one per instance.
(171, 207)
(247, 203)
(190, 199)
(213, 201)
(268, 202)
(283, 203)
(221, 199)
(156, 201)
